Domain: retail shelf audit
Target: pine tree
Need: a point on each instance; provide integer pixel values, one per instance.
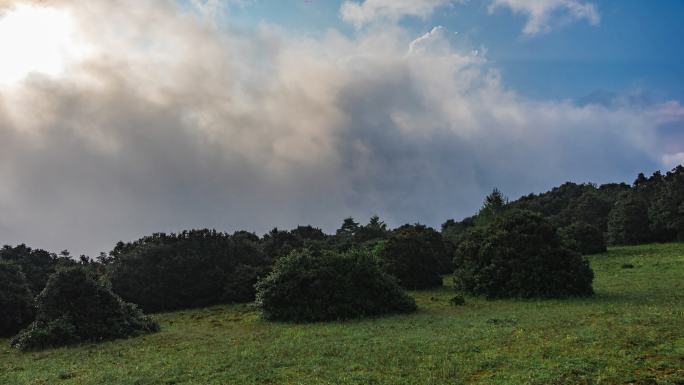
(494, 205)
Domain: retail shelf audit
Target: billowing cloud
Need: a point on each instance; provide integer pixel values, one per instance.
(172, 122)
(367, 11)
(541, 13)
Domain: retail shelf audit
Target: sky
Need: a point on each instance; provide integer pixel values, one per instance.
(123, 118)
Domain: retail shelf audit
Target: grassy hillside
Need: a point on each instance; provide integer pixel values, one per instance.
(632, 331)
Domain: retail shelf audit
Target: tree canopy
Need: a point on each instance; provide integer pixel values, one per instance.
(190, 269)
(16, 301)
(416, 255)
(520, 255)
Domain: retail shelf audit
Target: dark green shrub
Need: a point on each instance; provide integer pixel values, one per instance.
(416, 255)
(279, 243)
(571, 202)
(592, 207)
(16, 301)
(191, 269)
(74, 308)
(493, 206)
(375, 230)
(36, 264)
(46, 334)
(666, 205)
(309, 233)
(453, 232)
(306, 288)
(583, 238)
(520, 255)
(628, 222)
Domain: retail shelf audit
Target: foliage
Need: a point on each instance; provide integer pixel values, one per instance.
(352, 235)
(309, 233)
(349, 228)
(453, 231)
(279, 243)
(345, 236)
(651, 210)
(190, 269)
(571, 202)
(628, 222)
(16, 301)
(494, 204)
(304, 287)
(375, 230)
(520, 255)
(36, 264)
(73, 308)
(583, 238)
(553, 203)
(629, 332)
(592, 207)
(665, 195)
(416, 255)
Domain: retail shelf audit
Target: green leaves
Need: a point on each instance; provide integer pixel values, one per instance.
(73, 308)
(304, 287)
(16, 301)
(190, 269)
(520, 255)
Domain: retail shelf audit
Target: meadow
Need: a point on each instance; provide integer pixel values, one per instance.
(630, 332)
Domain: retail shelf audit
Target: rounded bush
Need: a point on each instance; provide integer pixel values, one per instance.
(520, 255)
(583, 238)
(74, 308)
(191, 269)
(304, 287)
(416, 255)
(16, 302)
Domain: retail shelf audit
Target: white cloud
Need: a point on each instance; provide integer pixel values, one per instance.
(368, 11)
(173, 123)
(673, 160)
(435, 39)
(542, 13)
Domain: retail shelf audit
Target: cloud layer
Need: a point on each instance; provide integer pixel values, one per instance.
(541, 14)
(173, 122)
(368, 11)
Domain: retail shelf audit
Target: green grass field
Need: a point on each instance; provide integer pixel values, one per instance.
(630, 332)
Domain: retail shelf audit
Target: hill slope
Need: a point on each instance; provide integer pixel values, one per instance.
(632, 331)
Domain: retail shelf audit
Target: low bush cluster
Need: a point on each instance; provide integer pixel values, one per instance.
(75, 308)
(191, 269)
(304, 287)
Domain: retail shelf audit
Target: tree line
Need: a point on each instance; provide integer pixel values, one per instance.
(530, 247)
(589, 217)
